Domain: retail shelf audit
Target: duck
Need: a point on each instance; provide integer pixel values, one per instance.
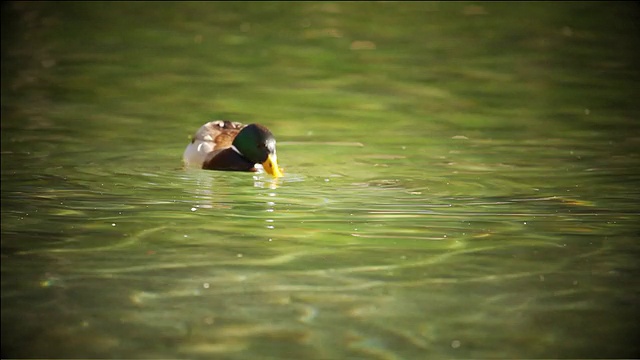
(232, 146)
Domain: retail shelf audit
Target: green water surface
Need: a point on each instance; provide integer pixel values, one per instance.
(461, 180)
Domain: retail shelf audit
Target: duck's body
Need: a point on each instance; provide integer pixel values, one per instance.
(212, 136)
(232, 146)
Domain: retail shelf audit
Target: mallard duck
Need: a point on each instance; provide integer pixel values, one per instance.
(232, 146)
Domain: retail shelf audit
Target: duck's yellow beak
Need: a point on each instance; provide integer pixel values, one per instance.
(271, 166)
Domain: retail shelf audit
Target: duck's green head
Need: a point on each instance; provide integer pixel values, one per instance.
(256, 143)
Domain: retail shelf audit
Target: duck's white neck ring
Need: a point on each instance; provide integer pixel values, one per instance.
(236, 150)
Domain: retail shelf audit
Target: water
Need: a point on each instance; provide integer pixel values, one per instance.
(461, 181)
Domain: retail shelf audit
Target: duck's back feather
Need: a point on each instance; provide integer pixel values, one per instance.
(212, 136)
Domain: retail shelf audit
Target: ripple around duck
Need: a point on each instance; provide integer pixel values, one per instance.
(218, 262)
